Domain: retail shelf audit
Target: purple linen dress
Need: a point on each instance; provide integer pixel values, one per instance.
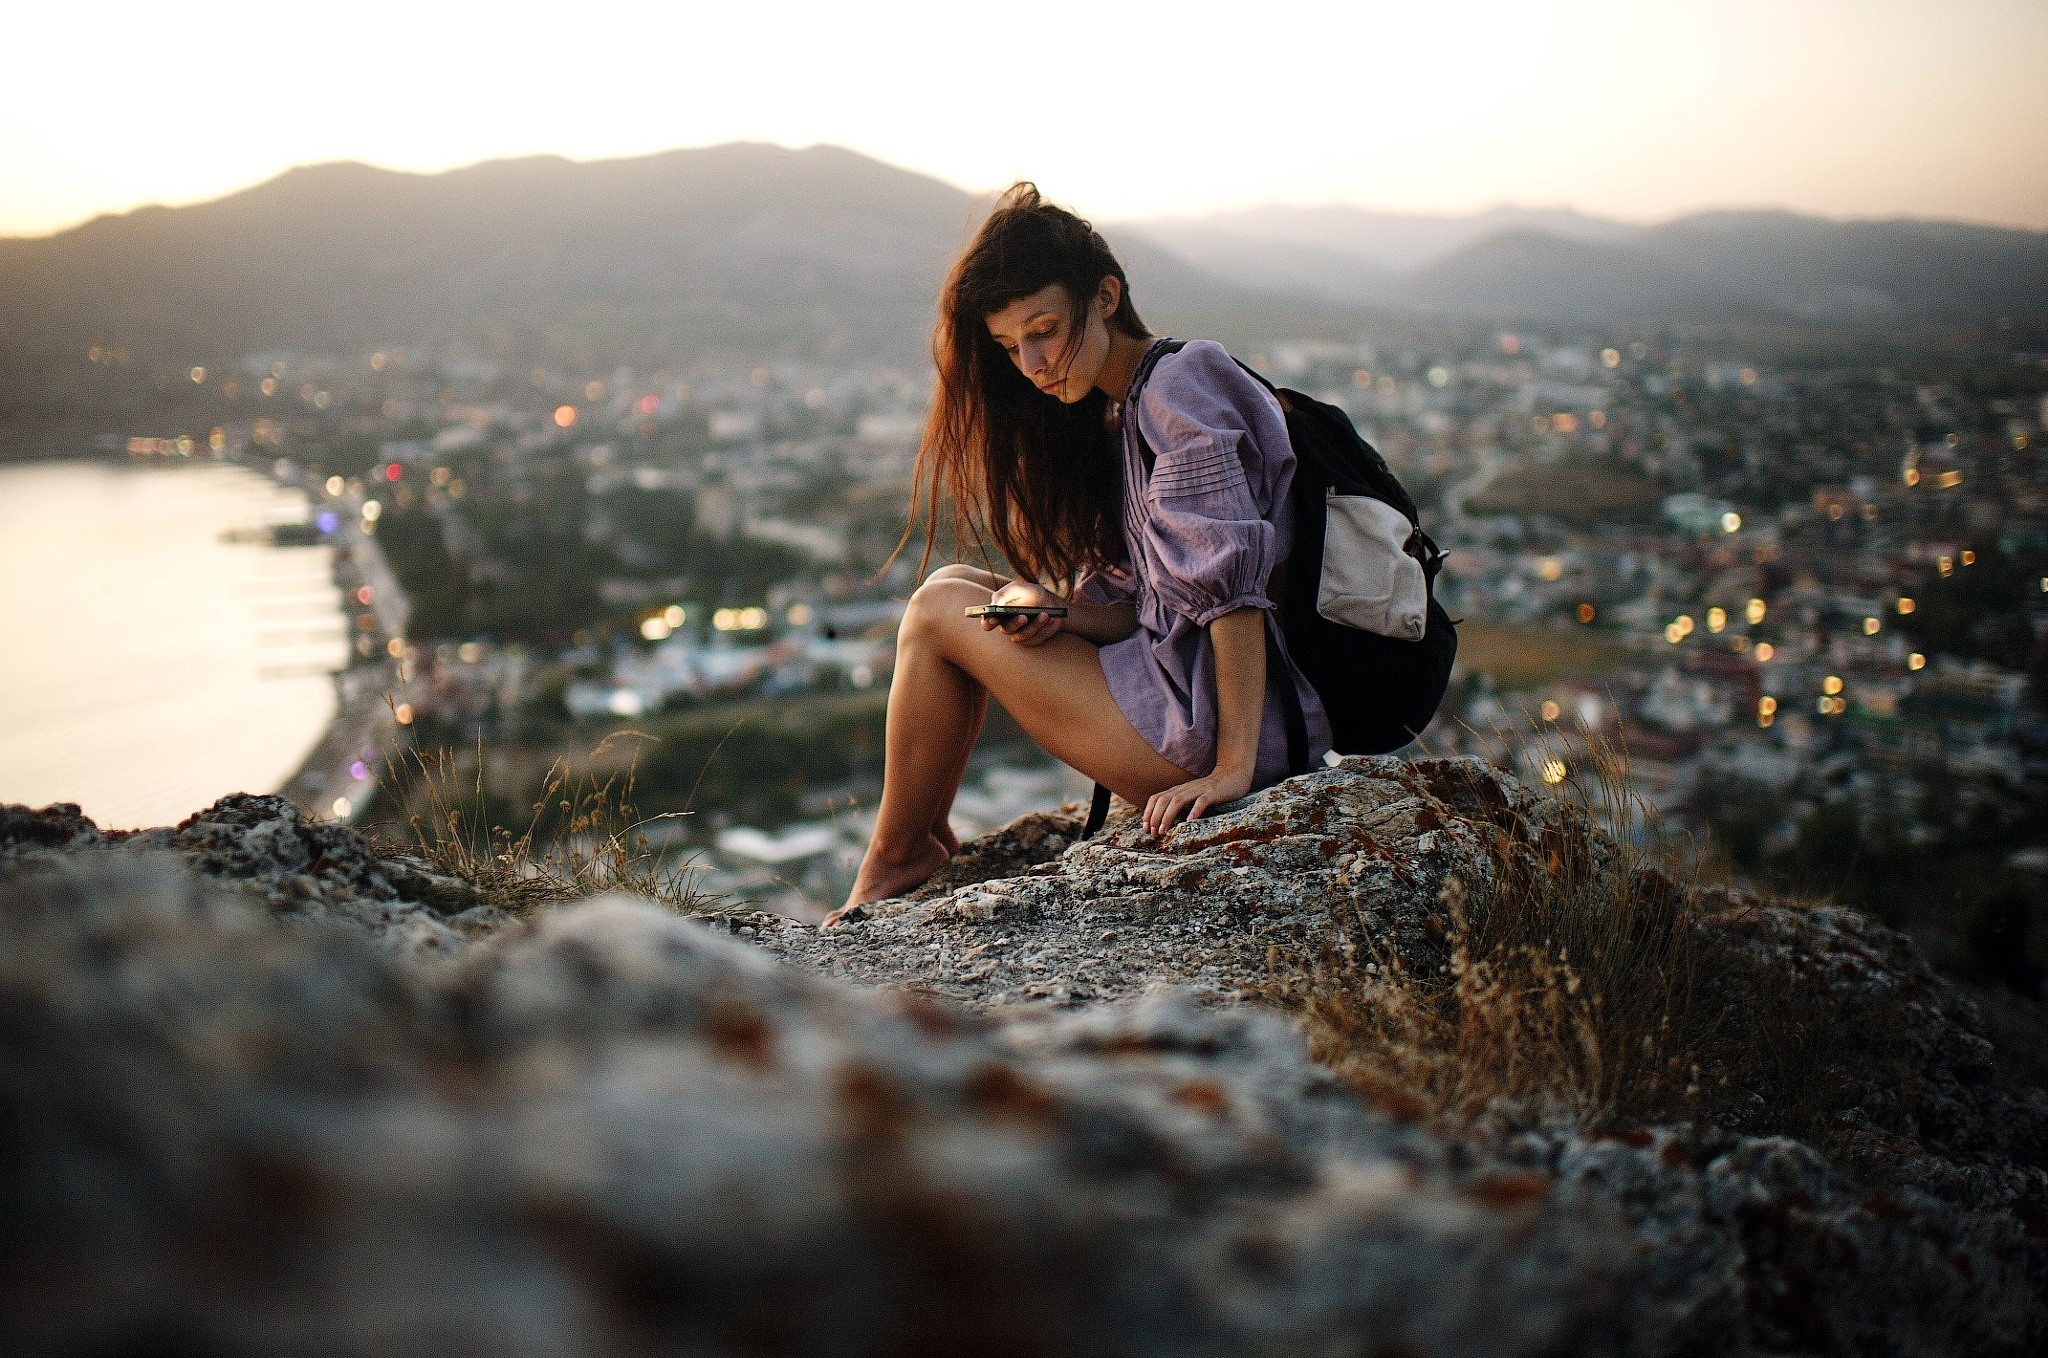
(1203, 532)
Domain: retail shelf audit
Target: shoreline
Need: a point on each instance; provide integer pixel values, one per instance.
(273, 734)
(338, 776)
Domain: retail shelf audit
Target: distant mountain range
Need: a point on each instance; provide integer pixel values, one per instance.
(1557, 264)
(740, 247)
(757, 248)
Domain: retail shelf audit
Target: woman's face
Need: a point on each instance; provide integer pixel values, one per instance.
(1037, 333)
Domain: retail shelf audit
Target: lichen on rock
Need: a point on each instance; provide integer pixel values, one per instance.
(266, 1088)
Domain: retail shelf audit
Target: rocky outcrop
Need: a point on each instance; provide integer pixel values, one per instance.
(1034, 916)
(264, 849)
(265, 1089)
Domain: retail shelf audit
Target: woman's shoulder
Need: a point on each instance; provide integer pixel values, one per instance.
(1199, 360)
(1201, 379)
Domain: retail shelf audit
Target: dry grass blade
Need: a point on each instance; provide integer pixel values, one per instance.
(583, 835)
(1585, 981)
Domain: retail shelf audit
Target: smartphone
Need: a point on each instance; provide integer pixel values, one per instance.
(1001, 611)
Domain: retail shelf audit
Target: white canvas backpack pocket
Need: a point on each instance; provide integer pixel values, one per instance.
(1369, 580)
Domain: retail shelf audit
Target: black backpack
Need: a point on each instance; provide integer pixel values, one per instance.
(1379, 692)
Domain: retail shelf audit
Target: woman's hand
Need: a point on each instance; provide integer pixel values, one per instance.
(1240, 642)
(1027, 631)
(1190, 800)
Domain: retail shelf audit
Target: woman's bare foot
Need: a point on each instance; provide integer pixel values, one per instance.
(943, 832)
(884, 874)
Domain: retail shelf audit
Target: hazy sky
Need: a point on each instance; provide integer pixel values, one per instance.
(1632, 108)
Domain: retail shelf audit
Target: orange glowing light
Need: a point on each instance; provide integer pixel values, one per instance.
(565, 416)
(1585, 612)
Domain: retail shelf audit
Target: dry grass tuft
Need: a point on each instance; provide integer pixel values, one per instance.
(583, 836)
(1586, 983)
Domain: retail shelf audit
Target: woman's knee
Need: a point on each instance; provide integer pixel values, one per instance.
(956, 571)
(940, 602)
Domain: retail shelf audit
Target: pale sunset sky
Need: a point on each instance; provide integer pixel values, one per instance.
(1639, 109)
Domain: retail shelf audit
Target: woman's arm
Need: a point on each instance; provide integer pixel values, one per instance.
(1239, 642)
(1099, 623)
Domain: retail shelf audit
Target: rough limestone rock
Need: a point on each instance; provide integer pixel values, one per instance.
(263, 847)
(265, 1090)
(1204, 907)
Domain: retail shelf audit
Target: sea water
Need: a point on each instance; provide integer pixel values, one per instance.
(156, 650)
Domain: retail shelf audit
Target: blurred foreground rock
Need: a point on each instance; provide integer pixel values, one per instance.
(263, 1090)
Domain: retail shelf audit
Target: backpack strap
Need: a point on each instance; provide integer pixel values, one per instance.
(1150, 360)
(1098, 812)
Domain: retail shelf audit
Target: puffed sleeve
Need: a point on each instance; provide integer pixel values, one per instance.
(1212, 487)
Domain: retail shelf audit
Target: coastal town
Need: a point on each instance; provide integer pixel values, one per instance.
(1790, 606)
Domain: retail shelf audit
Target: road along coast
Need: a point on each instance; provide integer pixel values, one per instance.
(339, 775)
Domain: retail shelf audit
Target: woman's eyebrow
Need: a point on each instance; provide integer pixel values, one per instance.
(1033, 318)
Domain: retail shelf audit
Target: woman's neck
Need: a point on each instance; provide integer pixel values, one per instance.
(1121, 363)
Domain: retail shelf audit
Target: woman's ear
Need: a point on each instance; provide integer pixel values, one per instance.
(1109, 295)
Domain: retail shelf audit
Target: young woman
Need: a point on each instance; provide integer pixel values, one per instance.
(1162, 680)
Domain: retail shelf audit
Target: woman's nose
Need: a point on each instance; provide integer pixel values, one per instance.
(1031, 358)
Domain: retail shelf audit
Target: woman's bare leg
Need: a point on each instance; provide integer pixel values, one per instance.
(947, 666)
(942, 828)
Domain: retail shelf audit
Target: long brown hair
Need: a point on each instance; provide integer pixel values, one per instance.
(1035, 477)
